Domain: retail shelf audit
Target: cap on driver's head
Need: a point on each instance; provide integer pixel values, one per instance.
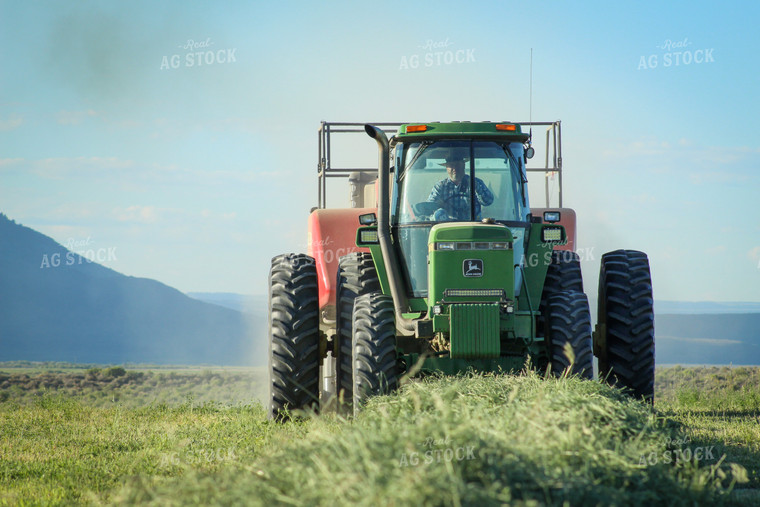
(456, 158)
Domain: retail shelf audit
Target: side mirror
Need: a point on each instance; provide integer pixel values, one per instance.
(529, 152)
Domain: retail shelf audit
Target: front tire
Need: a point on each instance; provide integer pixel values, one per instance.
(568, 326)
(293, 335)
(356, 276)
(562, 275)
(624, 340)
(375, 365)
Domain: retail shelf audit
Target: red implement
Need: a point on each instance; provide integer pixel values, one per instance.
(332, 234)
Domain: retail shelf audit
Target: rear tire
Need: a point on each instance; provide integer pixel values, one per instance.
(569, 323)
(375, 365)
(356, 276)
(624, 341)
(293, 335)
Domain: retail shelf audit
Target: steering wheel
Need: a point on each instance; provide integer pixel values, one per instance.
(425, 208)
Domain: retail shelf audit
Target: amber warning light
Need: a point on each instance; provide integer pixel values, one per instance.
(507, 127)
(416, 128)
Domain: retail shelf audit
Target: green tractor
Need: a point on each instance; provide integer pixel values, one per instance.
(441, 265)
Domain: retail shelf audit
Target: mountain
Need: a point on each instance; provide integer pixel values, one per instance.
(708, 339)
(57, 306)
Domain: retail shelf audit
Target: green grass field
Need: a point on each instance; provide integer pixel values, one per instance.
(144, 435)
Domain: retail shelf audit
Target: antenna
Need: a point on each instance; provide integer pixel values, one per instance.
(530, 100)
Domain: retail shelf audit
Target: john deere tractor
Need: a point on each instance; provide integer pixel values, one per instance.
(442, 265)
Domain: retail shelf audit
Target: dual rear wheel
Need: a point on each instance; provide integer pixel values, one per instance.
(624, 337)
(365, 347)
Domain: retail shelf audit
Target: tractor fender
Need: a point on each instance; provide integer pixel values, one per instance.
(332, 234)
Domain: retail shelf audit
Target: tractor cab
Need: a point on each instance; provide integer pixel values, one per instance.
(454, 180)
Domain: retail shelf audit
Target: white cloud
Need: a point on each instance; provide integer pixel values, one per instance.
(712, 177)
(659, 157)
(644, 198)
(65, 168)
(74, 117)
(13, 122)
(131, 172)
(77, 210)
(140, 214)
(9, 162)
(716, 251)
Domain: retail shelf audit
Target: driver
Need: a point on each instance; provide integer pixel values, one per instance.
(452, 194)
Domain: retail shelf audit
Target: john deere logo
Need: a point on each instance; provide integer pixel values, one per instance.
(472, 267)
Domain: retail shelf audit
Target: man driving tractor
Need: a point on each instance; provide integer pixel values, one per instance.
(452, 194)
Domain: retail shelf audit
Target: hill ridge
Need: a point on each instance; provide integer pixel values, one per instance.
(87, 312)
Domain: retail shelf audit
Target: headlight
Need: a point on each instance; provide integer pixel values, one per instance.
(552, 235)
(368, 236)
(444, 246)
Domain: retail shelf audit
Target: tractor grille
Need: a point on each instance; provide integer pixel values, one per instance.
(474, 330)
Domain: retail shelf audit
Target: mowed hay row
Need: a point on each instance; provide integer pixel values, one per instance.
(468, 440)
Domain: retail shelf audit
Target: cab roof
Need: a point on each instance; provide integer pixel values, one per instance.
(506, 131)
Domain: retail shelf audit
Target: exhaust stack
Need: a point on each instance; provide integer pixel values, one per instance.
(400, 302)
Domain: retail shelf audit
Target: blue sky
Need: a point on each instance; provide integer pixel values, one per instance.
(197, 176)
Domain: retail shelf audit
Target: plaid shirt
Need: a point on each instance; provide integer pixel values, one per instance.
(455, 199)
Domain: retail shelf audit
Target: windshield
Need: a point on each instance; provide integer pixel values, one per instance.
(436, 182)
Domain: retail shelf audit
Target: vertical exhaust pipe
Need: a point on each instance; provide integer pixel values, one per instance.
(398, 293)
